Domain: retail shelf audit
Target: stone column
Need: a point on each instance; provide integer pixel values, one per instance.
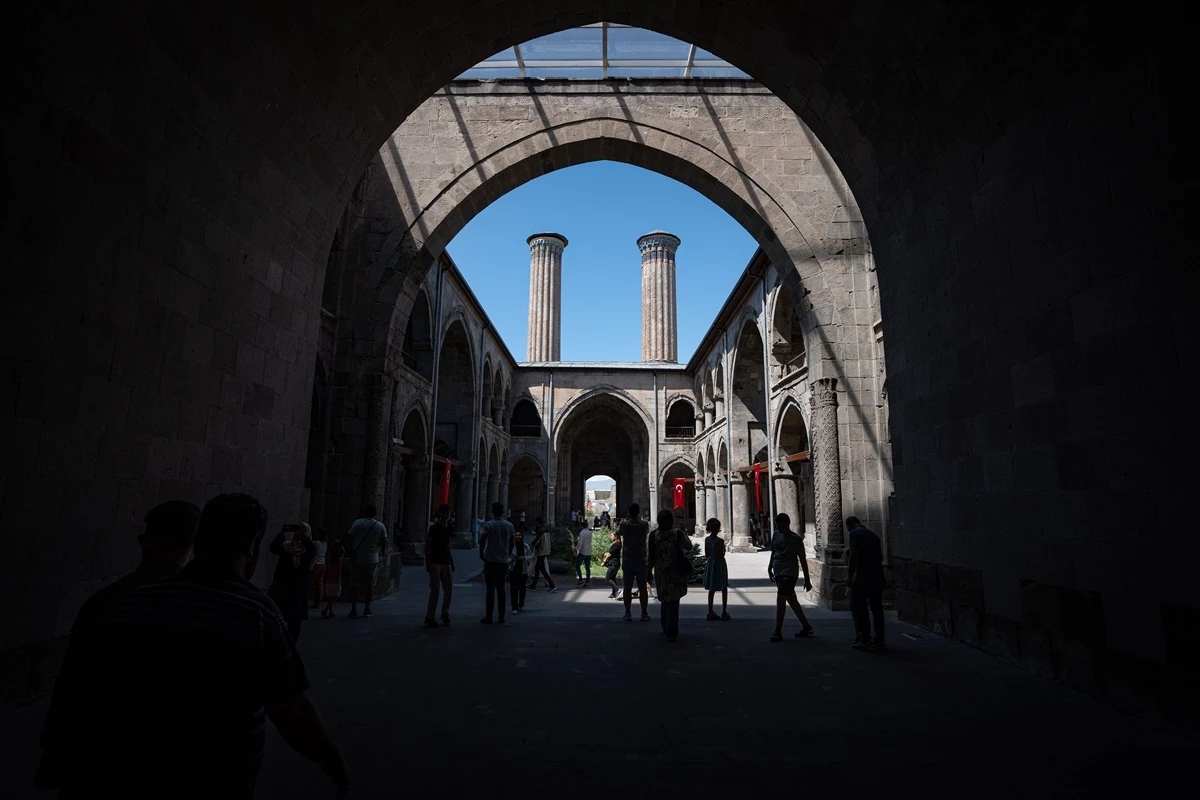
(701, 505)
(493, 494)
(502, 497)
(545, 296)
(785, 499)
(740, 540)
(699, 426)
(379, 391)
(660, 339)
(710, 503)
(463, 514)
(721, 504)
(498, 410)
(391, 488)
(719, 405)
(825, 453)
(708, 416)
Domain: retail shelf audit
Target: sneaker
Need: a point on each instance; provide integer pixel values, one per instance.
(876, 647)
(552, 590)
(445, 619)
(670, 638)
(430, 622)
(352, 615)
(587, 584)
(628, 617)
(860, 644)
(776, 637)
(804, 634)
(612, 595)
(725, 616)
(368, 613)
(516, 610)
(712, 617)
(645, 617)
(486, 620)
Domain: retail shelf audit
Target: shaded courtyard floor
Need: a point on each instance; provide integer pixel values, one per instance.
(569, 698)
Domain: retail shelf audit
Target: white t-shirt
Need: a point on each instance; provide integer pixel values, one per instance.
(319, 550)
(584, 545)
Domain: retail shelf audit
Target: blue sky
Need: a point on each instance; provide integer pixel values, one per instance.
(602, 208)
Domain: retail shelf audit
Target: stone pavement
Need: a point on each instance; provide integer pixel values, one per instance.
(568, 698)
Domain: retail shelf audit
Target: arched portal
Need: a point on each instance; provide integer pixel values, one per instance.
(413, 492)
(416, 351)
(679, 470)
(603, 434)
(788, 354)
(525, 419)
(454, 429)
(793, 484)
(681, 420)
(527, 489)
(748, 406)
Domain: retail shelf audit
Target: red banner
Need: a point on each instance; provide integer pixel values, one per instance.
(444, 494)
(678, 493)
(757, 490)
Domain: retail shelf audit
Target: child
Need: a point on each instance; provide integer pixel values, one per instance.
(787, 561)
(333, 575)
(612, 560)
(520, 565)
(716, 572)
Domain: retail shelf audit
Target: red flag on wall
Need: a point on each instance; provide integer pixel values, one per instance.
(444, 494)
(757, 490)
(678, 493)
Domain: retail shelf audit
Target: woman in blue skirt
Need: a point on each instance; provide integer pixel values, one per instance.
(716, 572)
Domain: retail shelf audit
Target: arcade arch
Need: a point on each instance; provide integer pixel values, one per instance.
(602, 434)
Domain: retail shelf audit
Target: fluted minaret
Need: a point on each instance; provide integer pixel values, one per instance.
(545, 296)
(660, 339)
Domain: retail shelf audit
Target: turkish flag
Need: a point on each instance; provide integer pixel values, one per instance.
(444, 494)
(757, 489)
(679, 484)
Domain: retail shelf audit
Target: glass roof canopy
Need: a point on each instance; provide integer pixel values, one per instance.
(603, 50)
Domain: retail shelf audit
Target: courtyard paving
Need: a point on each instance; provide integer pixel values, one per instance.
(569, 699)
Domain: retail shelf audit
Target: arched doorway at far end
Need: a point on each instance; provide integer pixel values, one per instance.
(600, 495)
(526, 490)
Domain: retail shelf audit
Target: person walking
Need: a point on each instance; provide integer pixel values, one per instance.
(368, 545)
(317, 575)
(583, 556)
(520, 565)
(439, 563)
(787, 561)
(334, 555)
(716, 571)
(865, 579)
(541, 549)
(634, 533)
(670, 568)
(612, 561)
(495, 538)
(289, 585)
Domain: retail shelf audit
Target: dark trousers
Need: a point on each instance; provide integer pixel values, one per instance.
(669, 617)
(516, 590)
(539, 569)
(582, 561)
(493, 575)
(867, 596)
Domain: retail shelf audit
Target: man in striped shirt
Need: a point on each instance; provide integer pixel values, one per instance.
(181, 676)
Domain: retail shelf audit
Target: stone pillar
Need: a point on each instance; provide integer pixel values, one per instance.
(785, 499)
(660, 339)
(721, 506)
(740, 540)
(700, 426)
(719, 406)
(545, 296)
(493, 494)
(701, 506)
(463, 513)
(498, 410)
(708, 416)
(710, 504)
(825, 453)
(389, 513)
(379, 390)
(502, 497)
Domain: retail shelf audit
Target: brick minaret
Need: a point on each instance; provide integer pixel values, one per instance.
(660, 340)
(545, 297)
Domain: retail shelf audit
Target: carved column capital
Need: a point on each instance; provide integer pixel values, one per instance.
(824, 393)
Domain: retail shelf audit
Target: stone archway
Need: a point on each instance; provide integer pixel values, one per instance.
(454, 423)
(685, 517)
(527, 490)
(414, 490)
(792, 473)
(602, 434)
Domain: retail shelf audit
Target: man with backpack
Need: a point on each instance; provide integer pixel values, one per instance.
(367, 542)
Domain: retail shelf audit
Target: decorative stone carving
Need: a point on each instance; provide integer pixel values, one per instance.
(827, 473)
